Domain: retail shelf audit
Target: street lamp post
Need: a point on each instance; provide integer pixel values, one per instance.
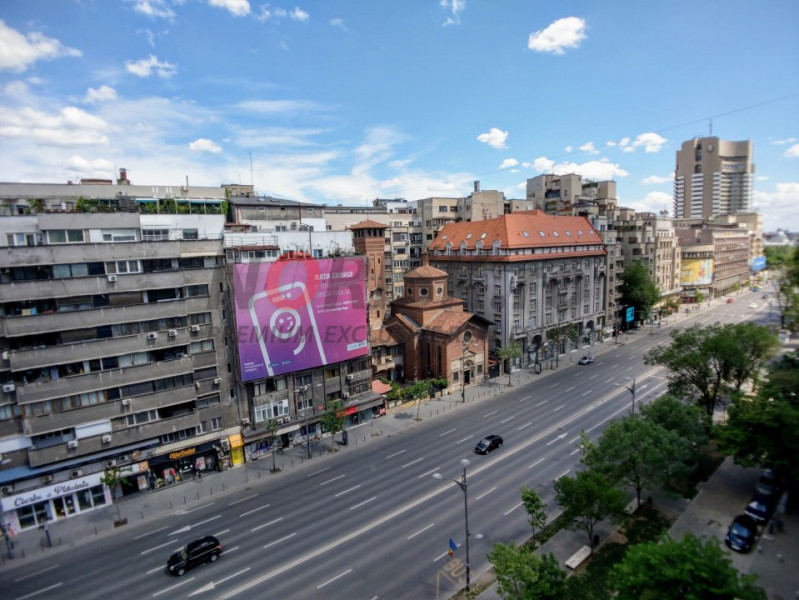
(464, 486)
(463, 373)
(631, 388)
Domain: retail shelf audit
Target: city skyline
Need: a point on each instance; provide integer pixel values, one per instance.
(335, 103)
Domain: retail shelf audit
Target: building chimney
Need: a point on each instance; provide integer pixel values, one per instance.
(476, 186)
(123, 177)
(425, 259)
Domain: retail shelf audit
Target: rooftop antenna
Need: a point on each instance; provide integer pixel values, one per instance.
(252, 183)
(711, 126)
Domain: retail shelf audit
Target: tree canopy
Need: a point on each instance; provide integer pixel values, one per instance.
(638, 290)
(524, 575)
(690, 569)
(510, 352)
(536, 509)
(333, 418)
(586, 499)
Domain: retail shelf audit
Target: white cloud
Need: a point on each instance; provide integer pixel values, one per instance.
(267, 13)
(761, 178)
(237, 8)
(563, 33)
(376, 148)
(589, 148)
(568, 149)
(456, 7)
(509, 163)
(610, 144)
(81, 168)
(71, 127)
(204, 145)
(145, 66)
(18, 51)
(653, 202)
(792, 152)
(542, 164)
(157, 9)
(299, 15)
(100, 94)
(338, 23)
(656, 179)
(17, 89)
(279, 106)
(779, 207)
(623, 142)
(651, 142)
(782, 142)
(494, 138)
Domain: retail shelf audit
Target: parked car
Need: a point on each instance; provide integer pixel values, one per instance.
(765, 296)
(205, 549)
(753, 305)
(768, 485)
(760, 508)
(741, 534)
(585, 360)
(730, 300)
(487, 444)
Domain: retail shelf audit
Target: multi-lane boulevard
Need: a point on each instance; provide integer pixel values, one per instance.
(373, 522)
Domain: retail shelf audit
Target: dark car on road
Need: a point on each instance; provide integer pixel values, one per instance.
(760, 508)
(742, 533)
(487, 444)
(206, 549)
(768, 484)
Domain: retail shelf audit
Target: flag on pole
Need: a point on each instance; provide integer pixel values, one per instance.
(452, 547)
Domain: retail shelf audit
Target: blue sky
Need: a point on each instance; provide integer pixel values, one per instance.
(340, 102)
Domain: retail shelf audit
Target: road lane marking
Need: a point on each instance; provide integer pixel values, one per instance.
(188, 512)
(169, 543)
(332, 480)
(542, 403)
(422, 530)
(566, 472)
(512, 509)
(447, 431)
(347, 491)
(558, 408)
(362, 503)
(212, 585)
(506, 420)
(37, 573)
(554, 385)
(557, 438)
(174, 587)
(395, 454)
(224, 531)
(594, 376)
(243, 499)
(283, 539)
(493, 412)
(585, 393)
(413, 462)
(428, 473)
(206, 521)
(571, 388)
(539, 461)
(573, 452)
(272, 522)
(151, 571)
(574, 439)
(486, 493)
(468, 437)
(317, 472)
(144, 535)
(32, 594)
(525, 425)
(229, 550)
(331, 580)
(249, 512)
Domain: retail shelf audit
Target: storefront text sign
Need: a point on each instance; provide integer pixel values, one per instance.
(51, 491)
(182, 453)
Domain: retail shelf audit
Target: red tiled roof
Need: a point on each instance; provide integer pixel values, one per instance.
(369, 224)
(382, 337)
(448, 321)
(378, 387)
(525, 229)
(424, 272)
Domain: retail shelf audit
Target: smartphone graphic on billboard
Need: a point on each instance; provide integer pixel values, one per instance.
(287, 332)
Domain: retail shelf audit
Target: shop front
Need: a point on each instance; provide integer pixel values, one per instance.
(186, 463)
(36, 507)
(364, 409)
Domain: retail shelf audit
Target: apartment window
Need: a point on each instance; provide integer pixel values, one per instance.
(190, 234)
(142, 417)
(201, 346)
(65, 236)
(273, 410)
(123, 267)
(442, 209)
(150, 235)
(207, 401)
(196, 290)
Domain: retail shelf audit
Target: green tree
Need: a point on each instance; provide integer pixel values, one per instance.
(573, 334)
(111, 478)
(536, 509)
(586, 499)
(636, 452)
(638, 290)
(333, 419)
(509, 353)
(524, 575)
(685, 420)
(554, 335)
(690, 569)
(271, 427)
(753, 346)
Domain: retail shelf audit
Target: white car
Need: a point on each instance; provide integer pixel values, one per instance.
(586, 360)
(753, 305)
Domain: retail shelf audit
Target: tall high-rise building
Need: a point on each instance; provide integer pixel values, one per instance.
(713, 177)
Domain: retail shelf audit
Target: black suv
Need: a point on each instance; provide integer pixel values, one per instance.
(487, 444)
(199, 551)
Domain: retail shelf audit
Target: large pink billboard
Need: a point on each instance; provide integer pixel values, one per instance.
(297, 314)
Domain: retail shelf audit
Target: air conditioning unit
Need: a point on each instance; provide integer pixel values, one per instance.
(106, 439)
(197, 384)
(172, 332)
(350, 376)
(217, 380)
(112, 278)
(47, 479)
(245, 421)
(9, 387)
(72, 444)
(7, 489)
(5, 354)
(304, 388)
(180, 355)
(345, 395)
(110, 463)
(123, 458)
(76, 473)
(194, 328)
(152, 335)
(225, 444)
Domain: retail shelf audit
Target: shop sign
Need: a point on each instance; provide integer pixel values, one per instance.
(182, 453)
(51, 491)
